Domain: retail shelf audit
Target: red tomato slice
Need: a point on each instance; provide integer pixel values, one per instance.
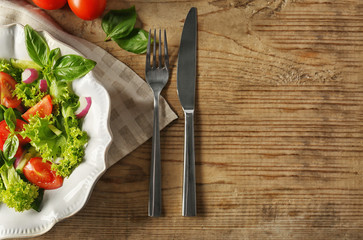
(87, 9)
(44, 108)
(41, 174)
(4, 132)
(7, 84)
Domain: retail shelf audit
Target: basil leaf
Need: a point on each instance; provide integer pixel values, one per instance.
(6, 161)
(70, 67)
(53, 56)
(135, 42)
(119, 23)
(3, 109)
(11, 146)
(10, 119)
(37, 47)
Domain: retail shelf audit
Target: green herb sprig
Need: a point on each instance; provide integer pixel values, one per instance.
(119, 26)
(12, 142)
(55, 68)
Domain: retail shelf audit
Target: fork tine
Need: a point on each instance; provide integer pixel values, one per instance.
(166, 57)
(148, 51)
(154, 50)
(160, 49)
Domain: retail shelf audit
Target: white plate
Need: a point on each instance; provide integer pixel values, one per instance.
(72, 196)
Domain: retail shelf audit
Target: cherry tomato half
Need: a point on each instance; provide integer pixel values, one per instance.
(50, 4)
(7, 84)
(40, 173)
(87, 9)
(44, 108)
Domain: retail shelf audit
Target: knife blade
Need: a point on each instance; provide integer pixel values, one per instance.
(186, 80)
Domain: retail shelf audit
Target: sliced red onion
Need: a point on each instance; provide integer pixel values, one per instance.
(29, 75)
(43, 85)
(84, 106)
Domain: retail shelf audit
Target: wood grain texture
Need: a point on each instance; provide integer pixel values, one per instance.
(279, 131)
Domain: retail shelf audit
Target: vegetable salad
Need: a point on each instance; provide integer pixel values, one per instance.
(41, 139)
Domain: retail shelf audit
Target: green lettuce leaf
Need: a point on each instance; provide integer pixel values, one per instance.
(29, 94)
(73, 153)
(7, 67)
(66, 145)
(59, 90)
(43, 139)
(15, 192)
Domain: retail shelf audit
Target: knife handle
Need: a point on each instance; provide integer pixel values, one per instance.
(155, 166)
(189, 187)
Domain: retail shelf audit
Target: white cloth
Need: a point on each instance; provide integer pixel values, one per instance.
(131, 98)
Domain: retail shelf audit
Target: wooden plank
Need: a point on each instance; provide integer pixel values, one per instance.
(279, 127)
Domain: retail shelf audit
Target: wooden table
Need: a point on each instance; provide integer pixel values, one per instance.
(279, 132)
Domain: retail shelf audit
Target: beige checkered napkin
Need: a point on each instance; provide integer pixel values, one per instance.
(131, 98)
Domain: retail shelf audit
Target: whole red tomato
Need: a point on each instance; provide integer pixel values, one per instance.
(87, 9)
(50, 4)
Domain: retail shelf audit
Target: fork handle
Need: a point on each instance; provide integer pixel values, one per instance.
(189, 188)
(155, 168)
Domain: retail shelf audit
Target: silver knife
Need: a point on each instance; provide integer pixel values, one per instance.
(186, 77)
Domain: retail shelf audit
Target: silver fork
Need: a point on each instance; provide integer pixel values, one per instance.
(156, 76)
